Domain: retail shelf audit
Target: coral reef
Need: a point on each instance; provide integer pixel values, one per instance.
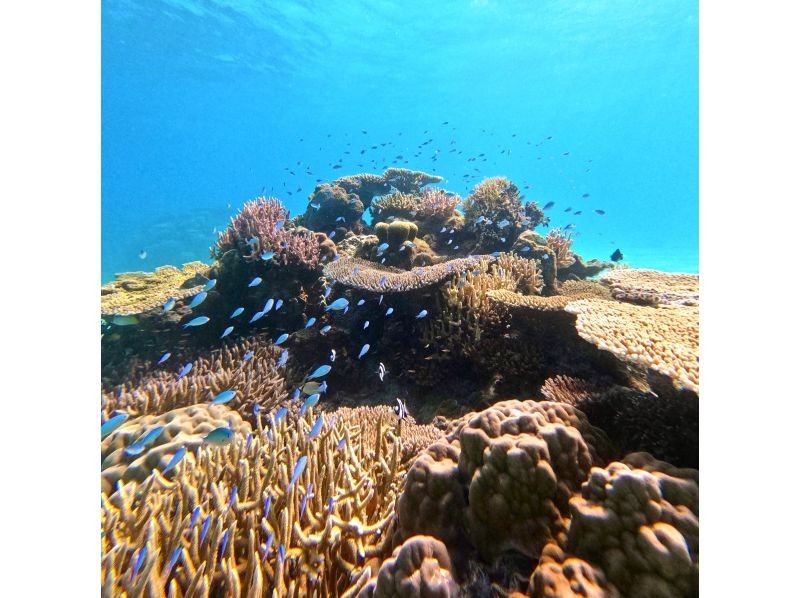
(665, 339)
(437, 204)
(570, 291)
(409, 181)
(137, 292)
(562, 576)
(395, 205)
(561, 244)
(651, 287)
(494, 214)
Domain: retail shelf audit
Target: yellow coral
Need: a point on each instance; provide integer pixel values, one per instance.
(138, 292)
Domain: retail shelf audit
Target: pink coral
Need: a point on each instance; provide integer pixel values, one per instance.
(436, 203)
(255, 229)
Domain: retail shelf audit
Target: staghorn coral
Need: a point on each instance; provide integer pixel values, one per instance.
(137, 292)
(237, 526)
(366, 186)
(409, 181)
(665, 339)
(568, 390)
(393, 205)
(368, 276)
(652, 287)
(561, 244)
(532, 245)
(570, 290)
(419, 567)
(527, 272)
(563, 576)
(333, 203)
(494, 200)
(437, 204)
(642, 528)
(186, 426)
(256, 381)
(255, 229)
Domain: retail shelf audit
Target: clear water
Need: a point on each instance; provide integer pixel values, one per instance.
(207, 103)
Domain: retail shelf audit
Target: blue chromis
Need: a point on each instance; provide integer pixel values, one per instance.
(422, 314)
(364, 350)
(268, 305)
(137, 447)
(112, 424)
(198, 299)
(139, 560)
(198, 321)
(316, 428)
(210, 284)
(124, 320)
(247, 356)
(257, 316)
(237, 312)
(309, 403)
(267, 255)
(282, 338)
(319, 372)
(283, 358)
(172, 561)
(184, 370)
(163, 358)
(366, 325)
(227, 331)
(219, 436)
(223, 397)
(325, 329)
(255, 282)
(280, 414)
(176, 458)
(298, 470)
(338, 305)
(278, 304)
(389, 311)
(168, 304)
(311, 322)
(360, 302)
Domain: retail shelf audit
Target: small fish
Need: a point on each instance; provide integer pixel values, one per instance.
(279, 225)
(142, 254)
(340, 219)
(255, 282)
(268, 305)
(267, 255)
(283, 358)
(280, 414)
(164, 357)
(366, 325)
(380, 299)
(232, 497)
(480, 219)
(503, 223)
(579, 212)
(338, 305)
(526, 249)
(248, 441)
(444, 228)
(340, 445)
(333, 355)
(112, 424)
(360, 302)
(319, 372)
(323, 387)
(311, 322)
(389, 311)
(219, 436)
(281, 548)
(198, 321)
(400, 409)
(195, 516)
(585, 195)
(315, 205)
(364, 350)
(204, 529)
(382, 247)
(325, 329)
(282, 338)
(503, 239)
(176, 458)
(599, 212)
(327, 292)
(210, 284)
(267, 505)
(422, 314)
(140, 558)
(383, 281)
(226, 332)
(298, 470)
(616, 256)
(223, 397)
(173, 560)
(137, 447)
(257, 316)
(316, 428)
(569, 209)
(237, 312)
(309, 403)
(247, 356)
(252, 240)
(168, 304)
(184, 370)
(278, 304)
(124, 320)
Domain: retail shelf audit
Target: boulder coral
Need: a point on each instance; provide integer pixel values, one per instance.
(331, 207)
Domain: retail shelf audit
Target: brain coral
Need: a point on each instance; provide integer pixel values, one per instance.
(138, 292)
(182, 427)
(665, 339)
(652, 287)
(640, 527)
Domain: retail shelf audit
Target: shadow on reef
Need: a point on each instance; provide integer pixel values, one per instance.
(337, 401)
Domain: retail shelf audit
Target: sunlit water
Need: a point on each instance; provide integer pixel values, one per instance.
(206, 104)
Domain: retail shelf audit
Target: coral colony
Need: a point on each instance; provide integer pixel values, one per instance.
(445, 401)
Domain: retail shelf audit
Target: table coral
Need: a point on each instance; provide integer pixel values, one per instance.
(137, 292)
(652, 287)
(409, 181)
(365, 185)
(569, 291)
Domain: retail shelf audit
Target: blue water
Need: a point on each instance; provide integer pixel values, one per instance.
(205, 104)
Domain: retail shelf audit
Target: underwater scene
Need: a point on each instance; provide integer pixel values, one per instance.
(399, 299)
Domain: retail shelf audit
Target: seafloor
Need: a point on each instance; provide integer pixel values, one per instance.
(444, 402)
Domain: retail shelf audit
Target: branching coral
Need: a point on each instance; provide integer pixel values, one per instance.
(409, 181)
(368, 276)
(652, 287)
(437, 204)
(261, 226)
(394, 205)
(494, 213)
(561, 244)
(138, 292)
(665, 339)
(255, 380)
(231, 521)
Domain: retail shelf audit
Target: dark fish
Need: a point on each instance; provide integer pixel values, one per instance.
(337, 166)
(600, 212)
(616, 256)
(549, 205)
(565, 154)
(579, 212)
(585, 195)
(568, 209)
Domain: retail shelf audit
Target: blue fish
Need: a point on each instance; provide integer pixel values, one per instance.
(248, 441)
(168, 304)
(223, 397)
(340, 219)
(366, 325)
(267, 255)
(237, 312)
(314, 204)
(380, 299)
(311, 322)
(325, 329)
(173, 560)
(257, 316)
(248, 356)
(303, 503)
(219, 436)
(319, 372)
(210, 284)
(340, 444)
(526, 249)
(332, 234)
(268, 545)
(364, 350)
(283, 358)
(309, 403)
(383, 281)
(232, 497)
(316, 428)
(422, 314)
(279, 225)
(327, 292)
(267, 505)
(204, 529)
(227, 331)
(139, 560)
(383, 247)
(338, 305)
(281, 553)
(198, 299)
(503, 223)
(255, 282)
(252, 240)
(112, 424)
(280, 414)
(195, 515)
(282, 338)
(198, 321)
(176, 458)
(137, 447)
(268, 305)
(323, 387)
(360, 302)
(164, 357)
(223, 543)
(278, 304)
(390, 311)
(330, 504)
(298, 470)
(295, 394)
(333, 355)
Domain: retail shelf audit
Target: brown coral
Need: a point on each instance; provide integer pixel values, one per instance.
(561, 244)
(491, 202)
(652, 287)
(559, 575)
(437, 204)
(409, 181)
(137, 292)
(570, 291)
(393, 205)
(330, 207)
(665, 339)
(365, 185)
